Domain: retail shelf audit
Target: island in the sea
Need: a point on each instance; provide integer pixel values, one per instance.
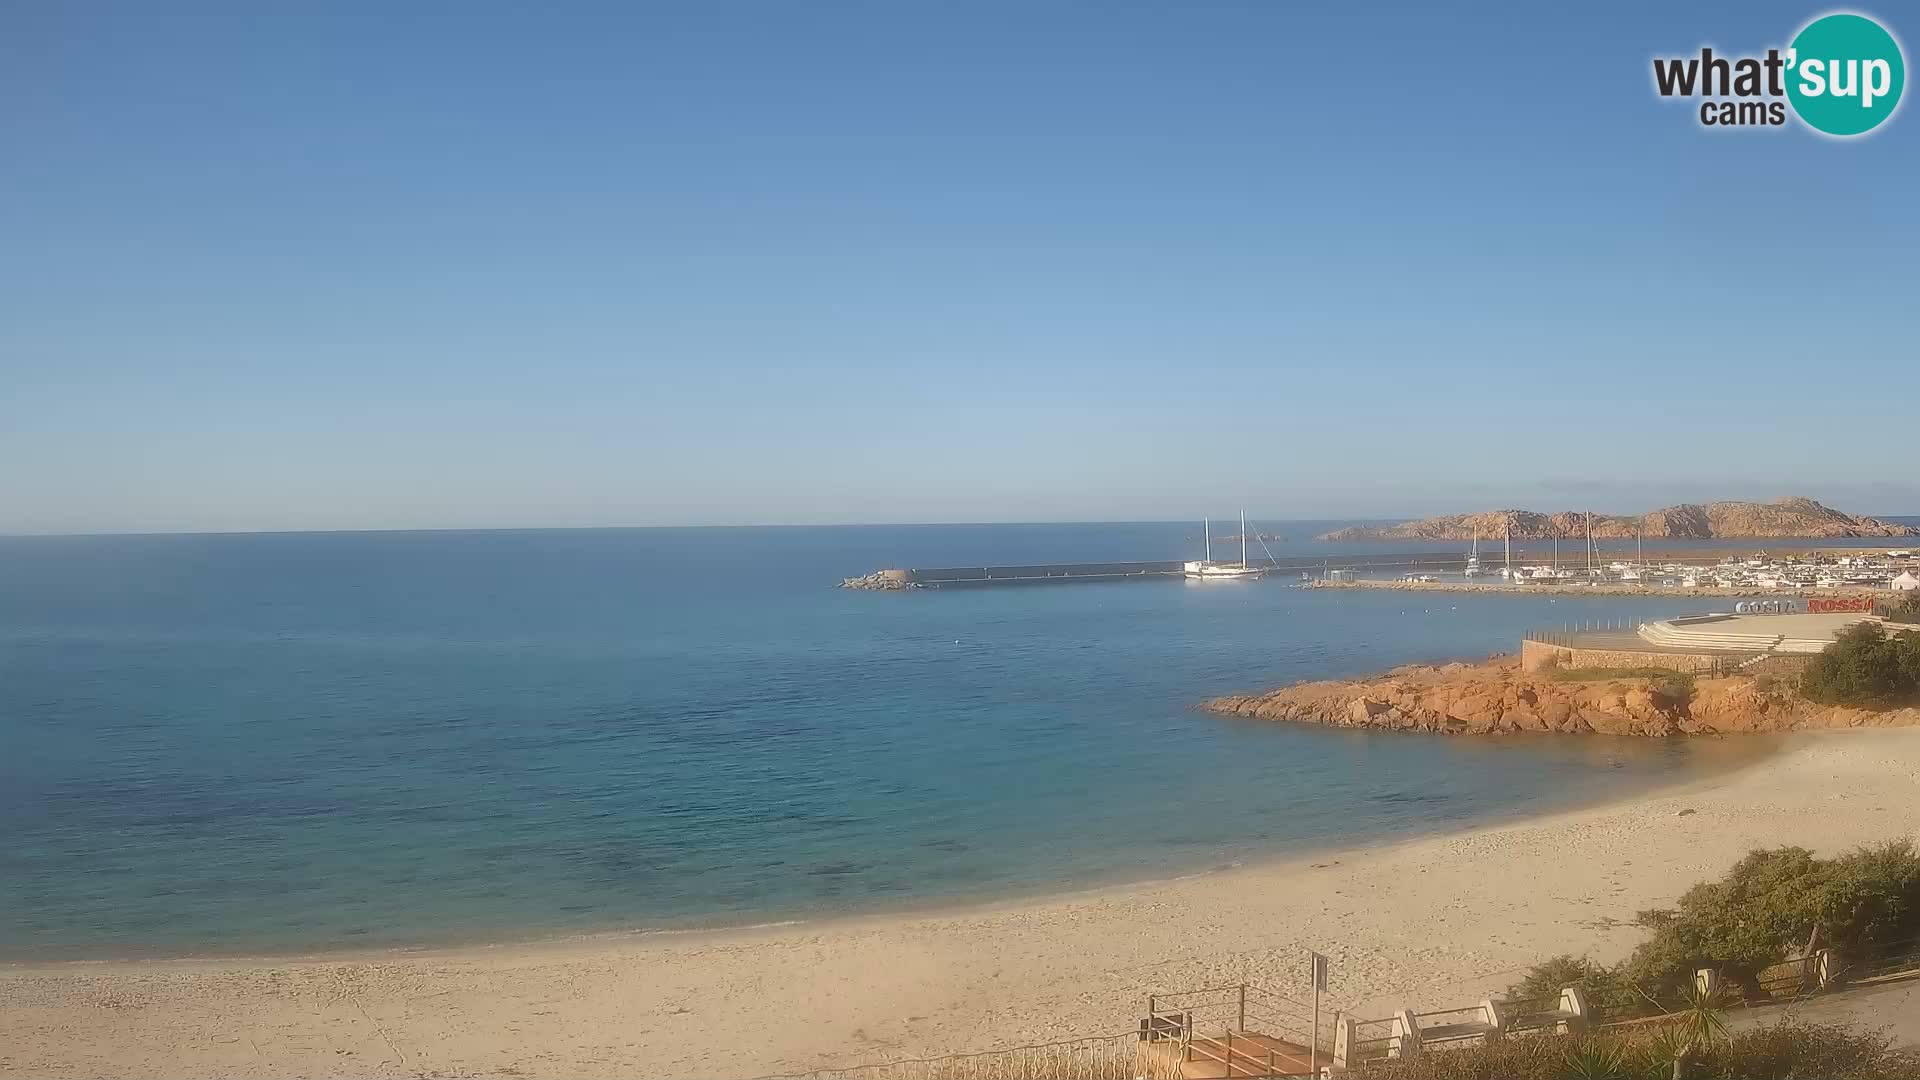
(1789, 518)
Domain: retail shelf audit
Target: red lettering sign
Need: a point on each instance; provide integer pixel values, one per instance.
(1835, 605)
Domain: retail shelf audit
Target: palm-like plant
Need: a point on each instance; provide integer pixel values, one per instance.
(1702, 1017)
(1592, 1059)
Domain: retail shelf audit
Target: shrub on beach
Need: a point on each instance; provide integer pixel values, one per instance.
(1779, 903)
(1864, 666)
(1601, 984)
(1771, 906)
(1786, 1051)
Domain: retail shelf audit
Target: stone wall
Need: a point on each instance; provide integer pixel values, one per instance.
(1539, 656)
(1779, 664)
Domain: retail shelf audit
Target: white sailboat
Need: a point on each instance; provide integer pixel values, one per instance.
(1473, 560)
(1632, 573)
(1208, 570)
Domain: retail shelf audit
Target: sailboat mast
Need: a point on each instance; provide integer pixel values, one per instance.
(1206, 530)
(1509, 547)
(1243, 539)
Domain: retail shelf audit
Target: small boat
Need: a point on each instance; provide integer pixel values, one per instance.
(1473, 560)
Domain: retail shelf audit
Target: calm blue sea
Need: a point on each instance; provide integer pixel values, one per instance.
(279, 742)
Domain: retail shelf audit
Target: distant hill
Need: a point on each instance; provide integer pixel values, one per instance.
(1790, 518)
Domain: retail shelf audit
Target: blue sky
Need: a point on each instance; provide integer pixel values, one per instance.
(438, 265)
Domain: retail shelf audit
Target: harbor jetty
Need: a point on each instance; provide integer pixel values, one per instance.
(1829, 572)
(957, 577)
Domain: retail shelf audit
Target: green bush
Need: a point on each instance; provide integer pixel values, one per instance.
(1786, 1051)
(1602, 985)
(1865, 667)
(1677, 685)
(1773, 904)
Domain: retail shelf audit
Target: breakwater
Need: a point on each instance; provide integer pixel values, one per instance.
(961, 577)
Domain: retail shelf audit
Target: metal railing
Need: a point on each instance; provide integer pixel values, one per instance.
(1243, 1007)
(1246, 1029)
(1373, 1040)
(1569, 634)
(1889, 962)
(1443, 1026)
(1536, 1016)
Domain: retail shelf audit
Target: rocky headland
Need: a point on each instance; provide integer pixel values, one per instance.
(1789, 518)
(1497, 698)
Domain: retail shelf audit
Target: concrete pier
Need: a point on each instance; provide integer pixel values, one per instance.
(960, 577)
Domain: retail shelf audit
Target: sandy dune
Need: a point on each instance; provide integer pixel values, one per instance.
(1426, 923)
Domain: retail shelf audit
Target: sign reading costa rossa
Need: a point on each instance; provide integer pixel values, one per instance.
(1829, 605)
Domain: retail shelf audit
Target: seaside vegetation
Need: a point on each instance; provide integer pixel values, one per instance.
(1666, 682)
(1774, 905)
(1784, 1051)
(1867, 667)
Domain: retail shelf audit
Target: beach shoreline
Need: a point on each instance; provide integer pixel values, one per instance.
(1760, 747)
(1421, 922)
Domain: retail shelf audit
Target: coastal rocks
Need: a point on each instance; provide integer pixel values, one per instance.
(1786, 518)
(882, 580)
(1497, 698)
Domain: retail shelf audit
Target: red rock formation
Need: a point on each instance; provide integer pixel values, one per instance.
(1498, 698)
(1787, 518)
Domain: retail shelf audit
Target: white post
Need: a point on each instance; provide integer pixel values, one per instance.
(1573, 1002)
(1707, 981)
(1828, 968)
(1406, 1034)
(1346, 1032)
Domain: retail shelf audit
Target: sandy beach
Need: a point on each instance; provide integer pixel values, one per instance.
(1429, 922)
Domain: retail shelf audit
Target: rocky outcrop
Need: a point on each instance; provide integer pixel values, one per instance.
(882, 580)
(1789, 518)
(1497, 698)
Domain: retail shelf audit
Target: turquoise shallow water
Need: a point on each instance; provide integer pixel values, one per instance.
(280, 742)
